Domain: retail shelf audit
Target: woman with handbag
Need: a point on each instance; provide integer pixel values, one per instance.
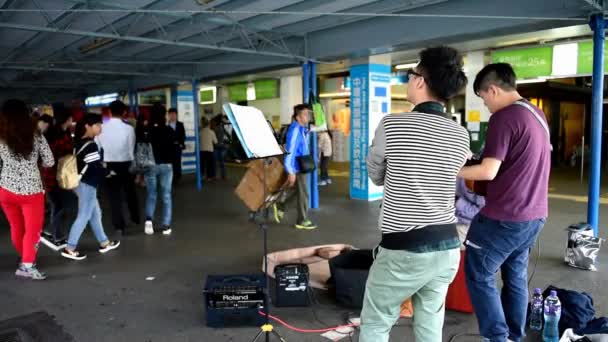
(298, 163)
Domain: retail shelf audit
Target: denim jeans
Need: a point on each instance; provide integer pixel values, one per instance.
(62, 202)
(164, 174)
(220, 160)
(397, 275)
(499, 245)
(88, 212)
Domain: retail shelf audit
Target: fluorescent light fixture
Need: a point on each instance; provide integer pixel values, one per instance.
(532, 80)
(405, 66)
(565, 59)
(250, 91)
(100, 100)
(340, 94)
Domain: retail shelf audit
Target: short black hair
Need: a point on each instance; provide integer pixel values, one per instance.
(173, 110)
(158, 114)
(117, 108)
(46, 118)
(89, 119)
(298, 108)
(441, 68)
(501, 75)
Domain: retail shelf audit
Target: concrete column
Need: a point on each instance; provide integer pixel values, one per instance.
(291, 95)
(370, 102)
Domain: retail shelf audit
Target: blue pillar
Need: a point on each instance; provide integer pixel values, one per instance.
(131, 97)
(195, 95)
(309, 87)
(314, 176)
(598, 26)
(136, 102)
(174, 96)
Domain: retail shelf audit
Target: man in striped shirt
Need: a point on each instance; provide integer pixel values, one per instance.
(417, 156)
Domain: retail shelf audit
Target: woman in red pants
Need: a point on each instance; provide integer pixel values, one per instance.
(21, 190)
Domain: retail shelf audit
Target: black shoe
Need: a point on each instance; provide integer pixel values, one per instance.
(53, 244)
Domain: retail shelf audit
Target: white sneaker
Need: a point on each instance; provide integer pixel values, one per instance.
(167, 231)
(110, 246)
(149, 228)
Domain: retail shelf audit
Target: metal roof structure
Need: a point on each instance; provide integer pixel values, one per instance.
(57, 49)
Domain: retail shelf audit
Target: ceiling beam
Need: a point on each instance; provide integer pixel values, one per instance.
(316, 13)
(149, 40)
(93, 71)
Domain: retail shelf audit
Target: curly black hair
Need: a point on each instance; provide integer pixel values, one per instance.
(17, 128)
(442, 70)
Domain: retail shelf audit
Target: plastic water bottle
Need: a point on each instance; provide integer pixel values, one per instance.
(536, 318)
(553, 312)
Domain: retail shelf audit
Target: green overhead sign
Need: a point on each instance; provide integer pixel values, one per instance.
(527, 63)
(237, 92)
(266, 89)
(207, 96)
(585, 58)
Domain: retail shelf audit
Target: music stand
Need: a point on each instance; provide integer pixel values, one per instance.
(248, 118)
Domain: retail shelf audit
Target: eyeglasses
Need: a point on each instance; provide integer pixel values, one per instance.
(412, 72)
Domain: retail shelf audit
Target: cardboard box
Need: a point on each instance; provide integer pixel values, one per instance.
(251, 188)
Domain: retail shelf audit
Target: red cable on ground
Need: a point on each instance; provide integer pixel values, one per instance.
(311, 331)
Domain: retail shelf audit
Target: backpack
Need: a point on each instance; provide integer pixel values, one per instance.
(68, 177)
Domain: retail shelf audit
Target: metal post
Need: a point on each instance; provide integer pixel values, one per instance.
(583, 160)
(199, 180)
(314, 150)
(136, 101)
(174, 96)
(131, 97)
(598, 26)
(306, 82)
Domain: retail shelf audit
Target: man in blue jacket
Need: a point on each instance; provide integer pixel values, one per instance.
(296, 145)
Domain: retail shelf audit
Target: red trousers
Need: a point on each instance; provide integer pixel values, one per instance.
(25, 214)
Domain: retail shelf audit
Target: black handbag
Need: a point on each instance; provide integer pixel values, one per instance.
(306, 163)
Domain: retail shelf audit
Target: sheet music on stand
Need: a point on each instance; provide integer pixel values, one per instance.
(253, 131)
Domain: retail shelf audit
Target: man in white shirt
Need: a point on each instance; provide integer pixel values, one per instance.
(118, 143)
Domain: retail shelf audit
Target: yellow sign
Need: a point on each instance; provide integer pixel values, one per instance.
(474, 116)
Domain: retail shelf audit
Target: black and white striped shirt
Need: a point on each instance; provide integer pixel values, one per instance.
(417, 156)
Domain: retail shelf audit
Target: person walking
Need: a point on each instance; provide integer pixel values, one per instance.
(417, 156)
(179, 143)
(296, 148)
(515, 163)
(62, 202)
(92, 171)
(221, 147)
(118, 143)
(21, 187)
(207, 142)
(162, 138)
(325, 153)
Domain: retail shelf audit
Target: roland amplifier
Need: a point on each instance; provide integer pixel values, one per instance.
(235, 300)
(291, 287)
